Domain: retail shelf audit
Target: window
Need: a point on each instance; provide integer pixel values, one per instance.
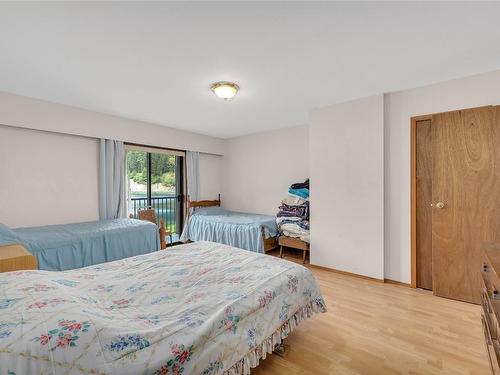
(155, 179)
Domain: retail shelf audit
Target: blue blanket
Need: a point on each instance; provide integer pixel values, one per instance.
(69, 246)
(236, 229)
(302, 192)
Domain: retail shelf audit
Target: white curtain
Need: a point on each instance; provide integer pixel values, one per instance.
(112, 198)
(192, 165)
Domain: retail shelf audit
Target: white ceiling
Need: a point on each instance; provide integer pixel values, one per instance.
(155, 61)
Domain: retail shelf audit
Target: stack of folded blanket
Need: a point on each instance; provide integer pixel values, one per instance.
(293, 215)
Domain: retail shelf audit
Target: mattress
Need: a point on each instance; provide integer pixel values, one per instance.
(199, 308)
(238, 229)
(69, 246)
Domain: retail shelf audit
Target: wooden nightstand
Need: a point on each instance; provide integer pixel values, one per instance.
(15, 258)
(294, 243)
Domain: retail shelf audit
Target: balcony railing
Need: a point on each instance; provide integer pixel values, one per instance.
(166, 210)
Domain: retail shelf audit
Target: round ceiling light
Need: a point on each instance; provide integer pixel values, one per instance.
(225, 90)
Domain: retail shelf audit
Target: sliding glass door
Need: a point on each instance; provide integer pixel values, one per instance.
(155, 179)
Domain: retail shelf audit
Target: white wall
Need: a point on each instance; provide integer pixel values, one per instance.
(467, 92)
(46, 178)
(346, 143)
(259, 168)
(37, 114)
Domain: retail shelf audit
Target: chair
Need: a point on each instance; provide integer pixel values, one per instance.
(149, 214)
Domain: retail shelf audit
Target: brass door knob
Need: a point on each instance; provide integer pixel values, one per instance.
(440, 205)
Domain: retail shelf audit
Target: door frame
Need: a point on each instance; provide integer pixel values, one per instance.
(413, 195)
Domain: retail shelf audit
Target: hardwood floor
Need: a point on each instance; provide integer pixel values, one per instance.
(375, 328)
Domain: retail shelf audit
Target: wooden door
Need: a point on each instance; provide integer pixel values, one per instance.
(466, 179)
(423, 230)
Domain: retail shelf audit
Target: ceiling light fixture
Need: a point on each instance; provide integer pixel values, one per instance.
(225, 90)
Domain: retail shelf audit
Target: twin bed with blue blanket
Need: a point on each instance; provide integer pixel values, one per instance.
(70, 246)
(210, 222)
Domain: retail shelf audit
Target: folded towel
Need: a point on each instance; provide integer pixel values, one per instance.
(294, 228)
(301, 211)
(282, 219)
(304, 224)
(301, 193)
(301, 234)
(293, 200)
(283, 213)
(301, 185)
(298, 196)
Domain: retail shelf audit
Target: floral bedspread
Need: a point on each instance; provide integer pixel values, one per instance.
(198, 308)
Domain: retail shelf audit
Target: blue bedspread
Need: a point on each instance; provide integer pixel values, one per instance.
(236, 229)
(69, 246)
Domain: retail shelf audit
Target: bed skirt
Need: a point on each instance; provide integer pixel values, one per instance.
(252, 358)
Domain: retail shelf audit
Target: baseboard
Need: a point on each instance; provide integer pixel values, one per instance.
(400, 283)
(385, 281)
(347, 273)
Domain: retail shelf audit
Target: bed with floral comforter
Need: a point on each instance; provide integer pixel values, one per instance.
(199, 308)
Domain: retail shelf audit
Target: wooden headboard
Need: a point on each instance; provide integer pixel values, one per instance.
(205, 203)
